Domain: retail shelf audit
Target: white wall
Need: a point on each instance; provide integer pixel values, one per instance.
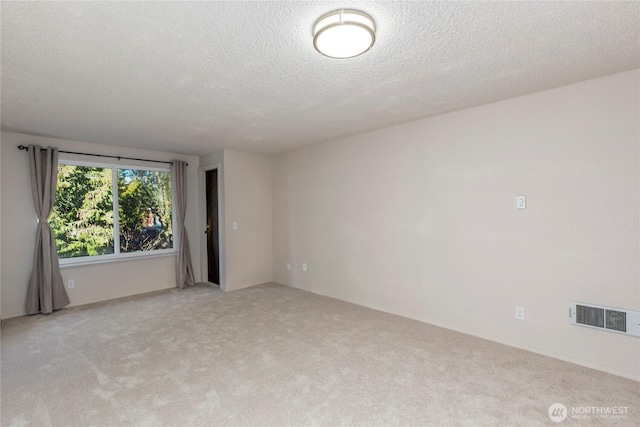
(247, 201)
(92, 282)
(420, 219)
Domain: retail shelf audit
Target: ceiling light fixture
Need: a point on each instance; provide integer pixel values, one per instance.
(344, 33)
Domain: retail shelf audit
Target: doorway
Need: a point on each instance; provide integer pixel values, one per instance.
(213, 241)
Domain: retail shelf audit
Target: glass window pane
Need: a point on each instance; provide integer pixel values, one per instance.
(82, 217)
(144, 210)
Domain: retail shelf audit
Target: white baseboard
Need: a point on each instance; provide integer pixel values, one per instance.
(93, 301)
(544, 352)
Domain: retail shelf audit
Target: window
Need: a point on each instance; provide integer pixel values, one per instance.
(144, 210)
(105, 212)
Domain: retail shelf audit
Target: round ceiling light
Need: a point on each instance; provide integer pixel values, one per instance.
(344, 33)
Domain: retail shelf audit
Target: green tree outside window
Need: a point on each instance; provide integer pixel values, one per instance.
(83, 216)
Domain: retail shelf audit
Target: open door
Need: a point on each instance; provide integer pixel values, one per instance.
(213, 245)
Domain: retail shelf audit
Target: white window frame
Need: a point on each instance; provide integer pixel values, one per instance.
(117, 255)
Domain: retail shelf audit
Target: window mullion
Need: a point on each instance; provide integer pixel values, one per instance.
(116, 222)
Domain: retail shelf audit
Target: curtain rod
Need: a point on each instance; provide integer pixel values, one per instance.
(22, 147)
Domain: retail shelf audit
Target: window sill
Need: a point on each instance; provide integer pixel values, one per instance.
(106, 259)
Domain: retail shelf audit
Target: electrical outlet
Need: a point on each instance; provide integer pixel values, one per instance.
(289, 266)
(71, 283)
(519, 312)
(304, 267)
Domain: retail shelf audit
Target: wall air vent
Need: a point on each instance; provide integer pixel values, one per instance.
(605, 318)
(616, 320)
(590, 316)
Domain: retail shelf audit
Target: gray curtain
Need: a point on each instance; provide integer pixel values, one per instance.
(46, 291)
(184, 269)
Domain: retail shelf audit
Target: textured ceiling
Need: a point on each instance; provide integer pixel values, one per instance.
(191, 77)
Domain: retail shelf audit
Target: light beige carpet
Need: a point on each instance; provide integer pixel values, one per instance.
(272, 355)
